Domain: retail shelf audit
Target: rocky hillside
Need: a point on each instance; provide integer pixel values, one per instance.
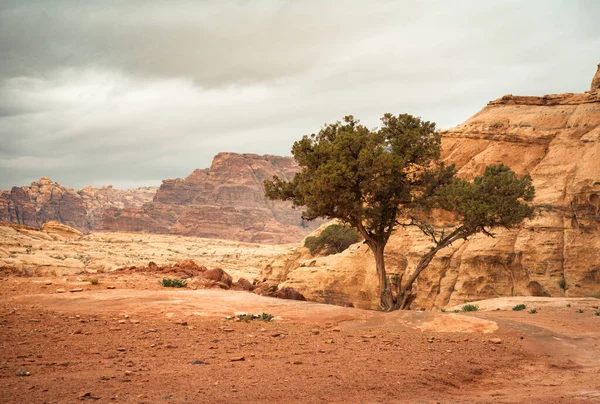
(555, 138)
(225, 201)
(47, 200)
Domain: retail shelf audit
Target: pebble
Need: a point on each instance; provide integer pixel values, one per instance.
(60, 291)
(111, 287)
(368, 336)
(121, 349)
(315, 332)
(237, 359)
(495, 341)
(276, 334)
(76, 290)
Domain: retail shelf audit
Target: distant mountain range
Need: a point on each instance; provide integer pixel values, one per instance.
(224, 201)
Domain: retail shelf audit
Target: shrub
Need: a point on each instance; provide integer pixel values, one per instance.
(470, 307)
(519, 307)
(334, 239)
(597, 313)
(532, 311)
(94, 281)
(173, 283)
(579, 311)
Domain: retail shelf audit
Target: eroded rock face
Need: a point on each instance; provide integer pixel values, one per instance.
(596, 81)
(46, 200)
(555, 138)
(226, 201)
(42, 201)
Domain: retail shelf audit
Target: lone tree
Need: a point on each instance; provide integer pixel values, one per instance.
(379, 180)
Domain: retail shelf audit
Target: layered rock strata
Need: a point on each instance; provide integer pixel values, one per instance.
(225, 201)
(45, 200)
(555, 138)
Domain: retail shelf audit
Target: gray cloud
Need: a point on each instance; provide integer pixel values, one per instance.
(131, 92)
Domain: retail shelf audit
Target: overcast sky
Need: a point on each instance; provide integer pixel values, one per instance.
(132, 92)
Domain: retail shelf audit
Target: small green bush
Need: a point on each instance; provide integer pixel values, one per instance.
(470, 307)
(532, 311)
(334, 239)
(94, 281)
(579, 311)
(597, 313)
(519, 307)
(568, 304)
(173, 283)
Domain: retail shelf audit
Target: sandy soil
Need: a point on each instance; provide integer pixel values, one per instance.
(36, 252)
(137, 343)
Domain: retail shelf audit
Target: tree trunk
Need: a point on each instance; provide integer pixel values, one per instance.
(406, 296)
(386, 299)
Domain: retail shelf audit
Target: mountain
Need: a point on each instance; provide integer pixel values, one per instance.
(46, 200)
(225, 201)
(555, 138)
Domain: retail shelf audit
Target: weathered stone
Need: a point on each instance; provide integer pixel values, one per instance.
(226, 201)
(554, 138)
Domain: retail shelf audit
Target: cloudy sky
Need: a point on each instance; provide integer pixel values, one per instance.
(131, 92)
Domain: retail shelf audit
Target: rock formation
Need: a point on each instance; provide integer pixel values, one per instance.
(596, 80)
(47, 200)
(555, 138)
(225, 201)
(42, 201)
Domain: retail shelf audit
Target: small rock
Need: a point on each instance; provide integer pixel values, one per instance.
(237, 359)
(228, 330)
(76, 290)
(111, 287)
(298, 363)
(48, 283)
(197, 362)
(121, 349)
(495, 341)
(336, 330)
(60, 291)
(368, 336)
(330, 341)
(315, 332)
(276, 334)
(122, 321)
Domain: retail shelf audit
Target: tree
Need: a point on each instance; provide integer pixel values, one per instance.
(379, 180)
(333, 239)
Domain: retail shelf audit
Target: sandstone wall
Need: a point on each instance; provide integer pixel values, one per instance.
(225, 201)
(555, 138)
(47, 200)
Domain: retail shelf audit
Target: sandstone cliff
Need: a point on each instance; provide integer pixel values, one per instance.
(555, 138)
(225, 201)
(47, 200)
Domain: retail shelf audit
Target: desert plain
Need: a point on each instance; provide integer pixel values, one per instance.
(72, 328)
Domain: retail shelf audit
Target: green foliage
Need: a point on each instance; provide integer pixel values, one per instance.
(497, 198)
(597, 313)
(362, 176)
(173, 283)
(519, 307)
(332, 240)
(579, 311)
(266, 317)
(568, 304)
(378, 179)
(470, 307)
(94, 281)
(532, 311)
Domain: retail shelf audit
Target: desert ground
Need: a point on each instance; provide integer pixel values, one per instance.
(128, 339)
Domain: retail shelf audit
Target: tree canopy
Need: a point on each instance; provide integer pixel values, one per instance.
(376, 180)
